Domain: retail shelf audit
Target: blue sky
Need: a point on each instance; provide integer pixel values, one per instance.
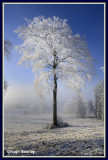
(85, 19)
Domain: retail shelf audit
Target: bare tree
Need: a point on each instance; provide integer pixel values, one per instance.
(54, 54)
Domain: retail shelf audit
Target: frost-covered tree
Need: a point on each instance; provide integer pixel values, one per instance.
(99, 100)
(90, 106)
(79, 105)
(7, 54)
(68, 106)
(75, 106)
(54, 53)
(5, 85)
(7, 49)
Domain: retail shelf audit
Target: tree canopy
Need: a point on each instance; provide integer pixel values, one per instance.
(50, 47)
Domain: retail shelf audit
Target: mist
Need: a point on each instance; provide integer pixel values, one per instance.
(21, 98)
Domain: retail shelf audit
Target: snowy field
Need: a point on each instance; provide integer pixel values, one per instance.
(25, 135)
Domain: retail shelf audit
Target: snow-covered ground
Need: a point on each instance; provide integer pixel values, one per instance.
(25, 135)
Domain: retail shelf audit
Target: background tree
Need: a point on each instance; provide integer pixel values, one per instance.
(90, 106)
(54, 54)
(69, 107)
(7, 54)
(7, 49)
(99, 100)
(75, 106)
(80, 107)
(5, 85)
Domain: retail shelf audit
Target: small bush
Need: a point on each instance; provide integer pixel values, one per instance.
(60, 124)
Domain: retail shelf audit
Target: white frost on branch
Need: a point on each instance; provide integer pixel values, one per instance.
(49, 38)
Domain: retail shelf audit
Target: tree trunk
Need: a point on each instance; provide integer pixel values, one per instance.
(55, 101)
